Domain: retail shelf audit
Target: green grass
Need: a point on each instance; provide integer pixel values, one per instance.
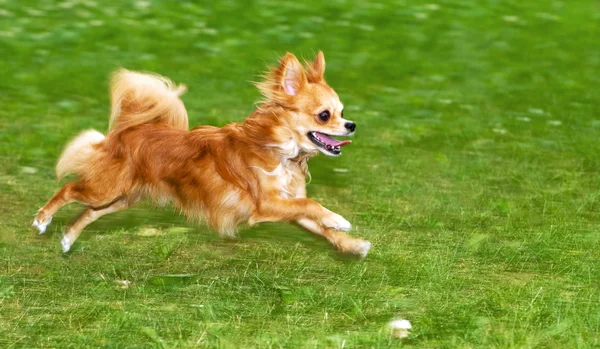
(474, 173)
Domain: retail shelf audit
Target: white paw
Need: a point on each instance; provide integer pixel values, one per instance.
(363, 248)
(66, 244)
(41, 226)
(337, 222)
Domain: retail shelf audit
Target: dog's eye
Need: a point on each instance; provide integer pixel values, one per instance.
(324, 115)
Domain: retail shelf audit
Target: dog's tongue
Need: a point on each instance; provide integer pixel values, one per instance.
(331, 141)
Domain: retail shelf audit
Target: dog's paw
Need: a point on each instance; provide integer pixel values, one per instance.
(41, 226)
(337, 222)
(362, 247)
(354, 246)
(66, 244)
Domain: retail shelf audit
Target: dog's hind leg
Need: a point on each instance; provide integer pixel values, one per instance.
(65, 195)
(79, 191)
(339, 239)
(88, 216)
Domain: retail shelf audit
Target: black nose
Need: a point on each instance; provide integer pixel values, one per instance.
(351, 126)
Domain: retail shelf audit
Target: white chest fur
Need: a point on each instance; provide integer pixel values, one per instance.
(286, 181)
(284, 178)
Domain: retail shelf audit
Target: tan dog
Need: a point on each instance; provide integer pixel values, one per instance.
(247, 172)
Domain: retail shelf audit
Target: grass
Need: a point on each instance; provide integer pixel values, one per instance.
(474, 173)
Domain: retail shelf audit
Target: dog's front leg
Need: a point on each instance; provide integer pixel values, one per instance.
(339, 239)
(313, 217)
(276, 209)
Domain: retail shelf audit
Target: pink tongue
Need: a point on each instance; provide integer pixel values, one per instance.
(331, 141)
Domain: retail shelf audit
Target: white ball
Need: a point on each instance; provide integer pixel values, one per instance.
(400, 328)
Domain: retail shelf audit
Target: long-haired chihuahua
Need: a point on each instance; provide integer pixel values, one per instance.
(243, 173)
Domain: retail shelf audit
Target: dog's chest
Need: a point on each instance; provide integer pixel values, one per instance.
(286, 178)
(287, 182)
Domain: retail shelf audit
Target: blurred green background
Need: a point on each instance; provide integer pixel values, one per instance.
(474, 172)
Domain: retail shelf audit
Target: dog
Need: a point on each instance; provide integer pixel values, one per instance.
(243, 173)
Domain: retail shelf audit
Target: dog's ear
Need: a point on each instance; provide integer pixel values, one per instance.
(292, 77)
(315, 71)
(283, 82)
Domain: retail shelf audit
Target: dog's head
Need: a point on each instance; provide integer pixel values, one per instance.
(313, 111)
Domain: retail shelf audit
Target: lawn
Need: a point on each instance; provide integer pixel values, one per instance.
(475, 173)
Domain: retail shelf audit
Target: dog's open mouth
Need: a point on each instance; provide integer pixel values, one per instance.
(326, 143)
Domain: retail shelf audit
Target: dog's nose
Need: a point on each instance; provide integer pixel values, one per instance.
(351, 126)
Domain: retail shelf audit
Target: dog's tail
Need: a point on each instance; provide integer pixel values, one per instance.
(79, 153)
(136, 99)
(139, 98)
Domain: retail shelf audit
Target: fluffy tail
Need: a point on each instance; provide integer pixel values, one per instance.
(136, 99)
(78, 154)
(139, 98)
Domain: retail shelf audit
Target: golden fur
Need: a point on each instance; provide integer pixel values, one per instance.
(248, 172)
